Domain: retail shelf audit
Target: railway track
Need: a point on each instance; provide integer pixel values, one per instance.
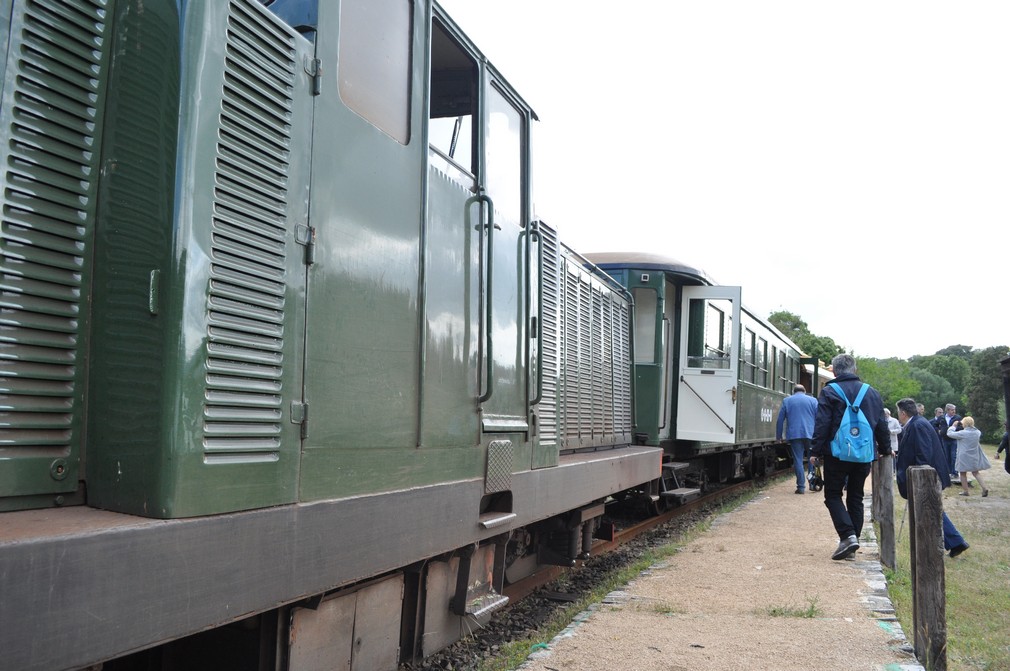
(530, 607)
(522, 588)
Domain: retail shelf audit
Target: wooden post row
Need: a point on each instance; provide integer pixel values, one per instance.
(929, 601)
(883, 494)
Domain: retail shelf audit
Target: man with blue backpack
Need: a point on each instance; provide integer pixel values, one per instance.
(849, 431)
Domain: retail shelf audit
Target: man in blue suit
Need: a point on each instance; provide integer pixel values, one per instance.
(797, 413)
(950, 417)
(920, 446)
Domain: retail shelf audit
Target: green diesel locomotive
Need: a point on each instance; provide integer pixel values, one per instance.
(287, 359)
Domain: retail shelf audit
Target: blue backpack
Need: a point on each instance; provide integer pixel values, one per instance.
(854, 440)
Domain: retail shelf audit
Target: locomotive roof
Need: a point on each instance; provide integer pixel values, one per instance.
(648, 261)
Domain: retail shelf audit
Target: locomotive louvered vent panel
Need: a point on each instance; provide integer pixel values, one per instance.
(622, 368)
(243, 406)
(596, 363)
(50, 156)
(550, 346)
(595, 379)
(585, 357)
(607, 362)
(570, 354)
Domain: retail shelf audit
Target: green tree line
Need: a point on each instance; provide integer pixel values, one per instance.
(969, 378)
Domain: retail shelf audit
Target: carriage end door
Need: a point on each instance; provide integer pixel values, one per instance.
(709, 364)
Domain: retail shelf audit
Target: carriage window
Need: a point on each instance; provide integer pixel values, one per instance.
(453, 100)
(773, 362)
(747, 356)
(761, 362)
(783, 372)
(374, 63)
(645, 325)
(709, 333)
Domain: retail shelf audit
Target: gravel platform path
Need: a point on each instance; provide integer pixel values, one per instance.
(757, 592)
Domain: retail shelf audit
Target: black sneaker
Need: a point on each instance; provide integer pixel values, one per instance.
(799, 491)
(847, 548)
(958, 550)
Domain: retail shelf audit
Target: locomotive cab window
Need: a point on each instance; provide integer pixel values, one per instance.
(505, 142)
(453, 105)
(374, 63)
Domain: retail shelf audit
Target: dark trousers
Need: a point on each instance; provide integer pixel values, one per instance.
(848, 516)
(951, 447)
(951, 536)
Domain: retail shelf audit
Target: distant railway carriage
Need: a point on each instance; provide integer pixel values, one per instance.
(710, 374)
(292, 376)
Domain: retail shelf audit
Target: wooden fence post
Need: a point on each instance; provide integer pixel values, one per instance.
(875, 492)
(883, 494)
(929, 600)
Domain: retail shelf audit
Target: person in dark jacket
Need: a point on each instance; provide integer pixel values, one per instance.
(949, 419)
(847, 517)
(920, 446)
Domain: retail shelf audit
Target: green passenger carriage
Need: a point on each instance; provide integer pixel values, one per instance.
(710, 374)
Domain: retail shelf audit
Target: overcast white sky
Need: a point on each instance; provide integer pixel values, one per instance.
(847, 162)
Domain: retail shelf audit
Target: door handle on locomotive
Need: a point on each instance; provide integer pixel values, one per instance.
(486, 294)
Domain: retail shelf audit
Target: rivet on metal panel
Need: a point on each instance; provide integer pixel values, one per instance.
(58, 469)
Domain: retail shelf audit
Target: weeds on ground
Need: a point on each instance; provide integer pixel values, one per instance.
(512, 655)
(978, 599)
(811, 611)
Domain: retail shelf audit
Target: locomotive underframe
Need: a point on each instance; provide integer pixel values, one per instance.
(95, 585)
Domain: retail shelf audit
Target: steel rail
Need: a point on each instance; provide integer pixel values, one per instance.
(522, 588)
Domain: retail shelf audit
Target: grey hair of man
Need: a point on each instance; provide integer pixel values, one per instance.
(907, 406)
(949, 407)
(842, 364)
(798, 388)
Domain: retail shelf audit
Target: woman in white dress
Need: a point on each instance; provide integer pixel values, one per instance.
(969, 452)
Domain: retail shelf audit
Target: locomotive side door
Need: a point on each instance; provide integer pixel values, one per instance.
(363, 246)
(709, 364)
(504, 272)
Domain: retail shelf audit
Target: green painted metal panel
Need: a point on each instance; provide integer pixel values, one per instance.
(449, 384)
(363, 293)
(648, 382)
(199, 341)
(56, 55)
(757, 412)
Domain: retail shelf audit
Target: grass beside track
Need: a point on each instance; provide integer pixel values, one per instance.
(978, 581)
(514, 654)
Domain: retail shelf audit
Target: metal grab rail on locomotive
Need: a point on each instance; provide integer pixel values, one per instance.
(292, 377)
